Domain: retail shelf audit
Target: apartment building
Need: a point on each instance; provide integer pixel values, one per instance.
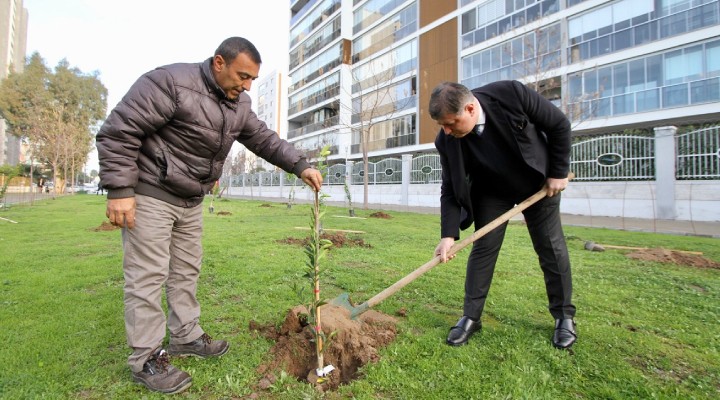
(13, 44)
(365, 68)
(271, 109)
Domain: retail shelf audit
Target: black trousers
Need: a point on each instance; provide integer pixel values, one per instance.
(545, 228)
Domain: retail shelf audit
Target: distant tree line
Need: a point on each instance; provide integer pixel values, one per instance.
(55, 113)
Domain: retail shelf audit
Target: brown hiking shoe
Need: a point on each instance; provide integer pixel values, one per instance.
(159, 376)
(204, 346)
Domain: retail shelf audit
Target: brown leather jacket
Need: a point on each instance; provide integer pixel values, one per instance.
(170, 134)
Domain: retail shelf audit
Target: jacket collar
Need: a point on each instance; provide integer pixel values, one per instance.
(214, 87)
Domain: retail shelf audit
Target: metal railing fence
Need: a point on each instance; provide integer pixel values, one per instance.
(614, 158)
(698, 154)
(600, 158)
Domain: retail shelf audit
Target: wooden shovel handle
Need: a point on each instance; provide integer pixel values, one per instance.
(460, 245)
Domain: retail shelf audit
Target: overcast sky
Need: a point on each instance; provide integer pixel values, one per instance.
(122, 39)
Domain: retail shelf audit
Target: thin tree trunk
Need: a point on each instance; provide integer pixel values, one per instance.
(366, 180)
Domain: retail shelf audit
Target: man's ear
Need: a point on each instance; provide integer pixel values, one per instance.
(218, 62)
(470, 107)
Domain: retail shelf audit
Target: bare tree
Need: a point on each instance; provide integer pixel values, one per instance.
(251, 168)
(376, 99)
(536, 58)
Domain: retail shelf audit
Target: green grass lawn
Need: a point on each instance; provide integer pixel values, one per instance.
(647, 330)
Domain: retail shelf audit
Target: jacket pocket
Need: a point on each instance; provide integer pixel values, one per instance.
(173, 178)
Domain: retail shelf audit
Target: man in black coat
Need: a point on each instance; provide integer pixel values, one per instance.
(498, 145)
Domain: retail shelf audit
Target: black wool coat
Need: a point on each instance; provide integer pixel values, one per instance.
(535, 128)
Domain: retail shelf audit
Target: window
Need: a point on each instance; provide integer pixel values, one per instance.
(654, 71)
(469, 21)
(628, 23)
(676, 78)
(532, 54)
(372, 11)
(675, 67)
(712, 58)
(648, 100)
(315, 43)
(620, 78)
(315, 18)
(316, 67)
(676, 95)
(384, 35)
(385, 67)
(705, 91)
(495, 17)
(637, 75)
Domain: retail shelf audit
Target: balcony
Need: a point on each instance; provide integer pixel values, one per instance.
(314, 127)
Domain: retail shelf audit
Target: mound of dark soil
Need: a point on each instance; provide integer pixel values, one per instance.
(105, 226)
(674, 257)
(355, 344)
(380, 214)
(338, 239)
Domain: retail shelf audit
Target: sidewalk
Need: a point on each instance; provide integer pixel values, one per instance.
(674, 227)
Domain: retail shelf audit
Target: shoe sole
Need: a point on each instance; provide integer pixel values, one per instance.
(190, 354)
(470, 335)
(458, 344)
(177, 389)
(563, 348)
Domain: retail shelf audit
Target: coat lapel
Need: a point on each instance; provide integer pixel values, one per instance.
(460, 181)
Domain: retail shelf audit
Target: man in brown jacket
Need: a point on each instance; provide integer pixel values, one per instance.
(161, 150)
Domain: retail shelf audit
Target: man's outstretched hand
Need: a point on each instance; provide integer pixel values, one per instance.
(312, 178)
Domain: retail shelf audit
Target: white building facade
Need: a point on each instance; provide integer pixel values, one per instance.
(639, 80)
(13, 44)
(610, 65)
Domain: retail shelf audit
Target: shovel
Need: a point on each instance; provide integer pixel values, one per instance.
(343, 300)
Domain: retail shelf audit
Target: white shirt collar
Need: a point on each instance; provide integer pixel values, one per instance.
(481, 116)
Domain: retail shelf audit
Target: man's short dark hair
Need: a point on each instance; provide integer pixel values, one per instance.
(448, 98)
(231, 47)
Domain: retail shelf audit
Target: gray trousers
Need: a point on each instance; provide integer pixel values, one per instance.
(163, 250)
(545, 228)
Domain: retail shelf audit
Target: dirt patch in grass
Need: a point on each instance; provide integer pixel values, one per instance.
(105, 226)
(338, 239)
(380, 214)
(224, 213)
(674, 257)
(679, 373)
(265, 205)
(356, 343)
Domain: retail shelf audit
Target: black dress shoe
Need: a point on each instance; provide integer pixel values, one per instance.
(461, 332)
(565, 334)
